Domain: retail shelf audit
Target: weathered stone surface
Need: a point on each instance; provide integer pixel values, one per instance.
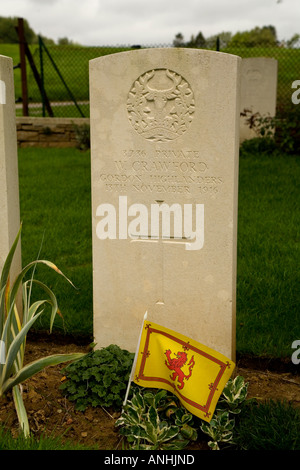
(165, 137)
(258, 90)
(48, 132)
(9, 179)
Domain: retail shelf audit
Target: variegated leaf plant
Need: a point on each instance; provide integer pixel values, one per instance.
(14, 326)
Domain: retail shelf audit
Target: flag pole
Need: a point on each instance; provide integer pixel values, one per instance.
(134, 363)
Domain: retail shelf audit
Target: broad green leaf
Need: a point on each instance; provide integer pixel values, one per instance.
(151, 434)
(188, 432)
(138, 401)
(168, 433)
(153, 416)
(159, 396)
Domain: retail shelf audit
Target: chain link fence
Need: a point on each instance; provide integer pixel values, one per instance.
(64, 76)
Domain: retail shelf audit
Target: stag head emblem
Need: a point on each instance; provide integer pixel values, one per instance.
(161, 96)
(160, 105)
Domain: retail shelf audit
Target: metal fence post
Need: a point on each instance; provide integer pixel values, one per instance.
(22, 45)
(42, 75)
(61, 78)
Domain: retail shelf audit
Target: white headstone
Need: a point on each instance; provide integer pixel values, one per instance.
(164, 146)
(9, 179)
(258, 91)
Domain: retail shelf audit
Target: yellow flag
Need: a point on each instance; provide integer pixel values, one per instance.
(195, 373)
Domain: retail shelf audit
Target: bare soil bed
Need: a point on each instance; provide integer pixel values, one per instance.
(50, 413)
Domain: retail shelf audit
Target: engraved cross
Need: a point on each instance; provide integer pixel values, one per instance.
(155, 238)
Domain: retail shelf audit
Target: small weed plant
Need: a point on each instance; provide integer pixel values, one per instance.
(280, 132)
(98, 379)
(82, 136)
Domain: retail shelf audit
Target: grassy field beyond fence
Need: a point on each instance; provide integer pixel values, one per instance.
(55, 196)
(73, 65)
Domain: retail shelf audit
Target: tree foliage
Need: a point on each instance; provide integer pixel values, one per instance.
(198, 41)
(294, 41)
(8, 33)
(265, 36)
(201, 42)
(224, 39)
(178, 41)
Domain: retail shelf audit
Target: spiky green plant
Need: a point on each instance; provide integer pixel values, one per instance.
(14, 327)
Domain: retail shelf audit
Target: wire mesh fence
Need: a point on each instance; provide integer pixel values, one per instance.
(64, 73)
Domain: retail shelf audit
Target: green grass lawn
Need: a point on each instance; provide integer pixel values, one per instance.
(55, 197)
(268, 318)
(72, 63)
(55, 200)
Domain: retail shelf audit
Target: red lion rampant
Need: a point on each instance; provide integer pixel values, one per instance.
(176, 365)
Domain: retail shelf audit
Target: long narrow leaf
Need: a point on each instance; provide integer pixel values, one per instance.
(2, 308)
(33, 272)
(6, 329)
(12, 326)
(26, 303)
(21, 411)
(24, 271)
(15, 346)
(6, 297)
(52, 302)
(15, 328)
(20, 354)
(36, 366)
(33, 310)
(8, 261)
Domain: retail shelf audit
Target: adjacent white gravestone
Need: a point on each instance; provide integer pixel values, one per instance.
(9, 179)
(164, 146)
(258, 90)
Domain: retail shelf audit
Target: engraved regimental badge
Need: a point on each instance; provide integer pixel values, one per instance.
(160, 105)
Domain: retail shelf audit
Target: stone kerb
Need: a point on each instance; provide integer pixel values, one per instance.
(48, 132)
